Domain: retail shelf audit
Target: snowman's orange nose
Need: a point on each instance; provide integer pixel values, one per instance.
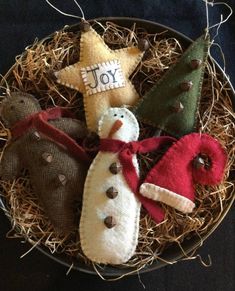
(117, 124)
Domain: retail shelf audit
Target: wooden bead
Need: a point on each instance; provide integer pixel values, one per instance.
(109, 222)
(186, 85)
(112, 192)
(177, 107)
(36, 135)
(52, 75)
(195, 64)
(115, 168)
(84, 26)
(47, 157)
(198, 163)
(62, 179)
(143, 44)
(91, 142)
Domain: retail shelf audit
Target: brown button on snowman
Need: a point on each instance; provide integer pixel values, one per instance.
(109, 222)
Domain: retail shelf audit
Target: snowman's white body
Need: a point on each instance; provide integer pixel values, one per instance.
(117, 244)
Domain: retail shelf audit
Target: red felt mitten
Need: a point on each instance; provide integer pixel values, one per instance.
(195, 158)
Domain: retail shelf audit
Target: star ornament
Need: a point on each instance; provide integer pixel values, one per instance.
(102, 75)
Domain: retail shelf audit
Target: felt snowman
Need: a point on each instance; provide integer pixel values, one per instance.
(109, 223)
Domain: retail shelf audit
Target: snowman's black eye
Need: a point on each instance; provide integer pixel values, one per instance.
(21, 101)
(122, 116)
(115, 114)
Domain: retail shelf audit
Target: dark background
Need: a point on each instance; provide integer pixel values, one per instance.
(21, 21)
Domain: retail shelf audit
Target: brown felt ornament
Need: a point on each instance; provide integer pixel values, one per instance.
(57, 173)
(101, 75)
(172, 103)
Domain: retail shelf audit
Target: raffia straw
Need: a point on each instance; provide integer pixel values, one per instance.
(32, 73)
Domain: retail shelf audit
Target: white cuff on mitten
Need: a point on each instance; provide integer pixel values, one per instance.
(168, 197)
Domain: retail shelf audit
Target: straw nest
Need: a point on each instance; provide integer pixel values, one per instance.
(32, 73)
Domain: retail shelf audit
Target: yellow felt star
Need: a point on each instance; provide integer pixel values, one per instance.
(102, 76)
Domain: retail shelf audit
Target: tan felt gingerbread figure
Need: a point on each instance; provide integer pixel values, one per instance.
(43, 143)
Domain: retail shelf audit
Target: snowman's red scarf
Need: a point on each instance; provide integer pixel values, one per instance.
(39, 121)
(125, 153)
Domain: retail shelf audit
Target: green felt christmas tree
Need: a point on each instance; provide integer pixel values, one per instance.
(172, 103)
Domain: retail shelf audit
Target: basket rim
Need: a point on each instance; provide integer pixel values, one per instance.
(191, 245)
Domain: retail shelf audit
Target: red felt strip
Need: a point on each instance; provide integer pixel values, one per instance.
(39, 121)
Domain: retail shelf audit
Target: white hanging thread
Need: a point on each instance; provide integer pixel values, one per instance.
(208, 28)
(217, 26)
(67, 14)
(207, 17)
(222, 20)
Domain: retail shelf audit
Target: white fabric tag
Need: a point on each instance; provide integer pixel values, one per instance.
(102, 77)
